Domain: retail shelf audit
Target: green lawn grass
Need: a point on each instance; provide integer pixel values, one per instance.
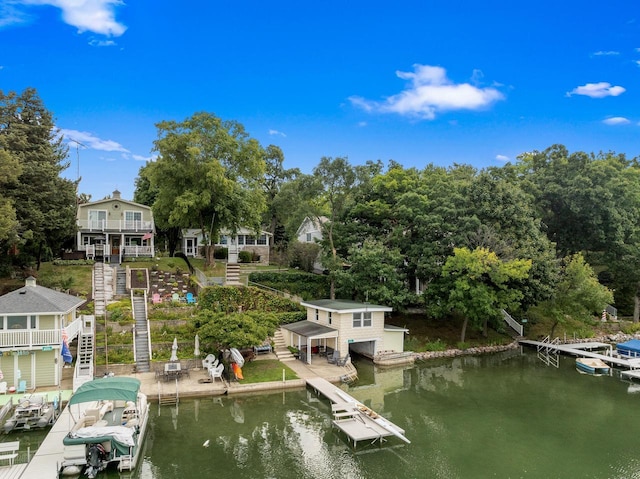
(266, 370)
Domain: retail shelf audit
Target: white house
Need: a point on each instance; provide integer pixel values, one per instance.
(113, 228)
(346, 326)
(33, 322)
(243, 240)
(310, 232)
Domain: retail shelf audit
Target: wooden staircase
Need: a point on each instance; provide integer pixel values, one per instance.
(233, 275)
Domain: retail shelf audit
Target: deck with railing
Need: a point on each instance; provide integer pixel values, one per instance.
(116, 225)
(30, 338)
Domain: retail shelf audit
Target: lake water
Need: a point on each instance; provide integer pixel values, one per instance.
(500, 416)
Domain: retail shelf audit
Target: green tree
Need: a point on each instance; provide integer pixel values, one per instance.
(274, 179)
(478, 286)
(9, 174)
(375, 274)
(578, 293)
(44, 202)
(208, 173)
(234, 330)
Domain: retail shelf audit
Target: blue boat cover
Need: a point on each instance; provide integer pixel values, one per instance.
(633, 345)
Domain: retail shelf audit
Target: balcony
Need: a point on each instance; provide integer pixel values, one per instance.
(37, 338)
(107, 226)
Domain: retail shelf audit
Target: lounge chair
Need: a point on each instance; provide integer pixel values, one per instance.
(175, 297)
(3, 387)
(333, 358)
(209, 361)
(190, 299)
(343, 361)
(216, 372)
(22, 386)
(156, 299)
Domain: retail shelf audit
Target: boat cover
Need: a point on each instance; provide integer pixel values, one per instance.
(121, 434)
(109, 388)
(631, 346)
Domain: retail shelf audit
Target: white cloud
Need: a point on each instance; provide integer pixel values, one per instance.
(502, 158)
(102, 43)
(96, 16)
(606, 53)
(89, 140)
(597, 90)
(430, 92)
(616, 120)
(276, 132)
(362, 124)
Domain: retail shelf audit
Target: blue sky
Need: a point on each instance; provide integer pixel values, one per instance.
(418, 82)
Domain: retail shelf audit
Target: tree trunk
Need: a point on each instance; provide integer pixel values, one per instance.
(209, 258)
(553, 328)
(485, 329)
(636, 308)
(464, 329)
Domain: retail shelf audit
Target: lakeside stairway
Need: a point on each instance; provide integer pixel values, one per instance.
(141, 340)
(232, 277)
(280, 349)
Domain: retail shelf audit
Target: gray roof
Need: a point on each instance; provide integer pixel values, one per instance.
(36, 299)
(310, 329)
(343, 305)
(392, 327)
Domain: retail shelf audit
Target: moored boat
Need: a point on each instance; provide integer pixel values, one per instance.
(629, 349)
(592, 366)
(32, 412)
(111, 416)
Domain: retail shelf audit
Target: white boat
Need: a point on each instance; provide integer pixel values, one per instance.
(32, 412)
(111, 416)
(373, 415)
(592, 366)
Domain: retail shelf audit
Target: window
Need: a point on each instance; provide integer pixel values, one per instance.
(330, 317)
(240, 239)
(317, 315)
(133, 219)
(97, 218)
(224, 239)
(34, 322)
(362, 320)
(308, 237)
(262, 239)
(251, 240)
(17, 322)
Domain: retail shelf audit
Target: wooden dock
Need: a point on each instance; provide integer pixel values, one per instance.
(584, 350)
(353, 418)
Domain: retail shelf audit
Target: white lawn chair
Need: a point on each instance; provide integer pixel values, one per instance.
(216, 372)
(209, 361)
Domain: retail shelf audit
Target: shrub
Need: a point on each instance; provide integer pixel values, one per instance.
(220, 253)
(245, 256)
(306, 285)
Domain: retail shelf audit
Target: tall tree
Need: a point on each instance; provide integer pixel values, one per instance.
(208, 173)
(275, 177)
(44, 201)
(337, 178)
(479, 285)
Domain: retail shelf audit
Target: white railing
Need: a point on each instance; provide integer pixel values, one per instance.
(515, 325)
(116, 225)
(138, 251)
(30, 338)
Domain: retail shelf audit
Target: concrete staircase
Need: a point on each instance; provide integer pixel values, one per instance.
(102, 287)
(143, 355)
(233, 275)
(280, 349)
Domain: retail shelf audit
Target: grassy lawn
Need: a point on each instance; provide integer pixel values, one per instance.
(266, 370)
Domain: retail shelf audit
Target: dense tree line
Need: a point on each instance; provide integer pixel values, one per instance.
(457, 240)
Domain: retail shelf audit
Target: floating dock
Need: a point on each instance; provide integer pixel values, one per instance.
(353, 418)
(584, 350)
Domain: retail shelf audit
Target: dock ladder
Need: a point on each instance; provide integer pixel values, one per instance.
(168, 398)
(548, 352)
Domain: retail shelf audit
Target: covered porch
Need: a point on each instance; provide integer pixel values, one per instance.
(311, 339)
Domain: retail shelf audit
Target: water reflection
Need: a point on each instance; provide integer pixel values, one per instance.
(506, 415)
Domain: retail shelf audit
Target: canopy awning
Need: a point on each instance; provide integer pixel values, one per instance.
(311, 330)
(110, 388)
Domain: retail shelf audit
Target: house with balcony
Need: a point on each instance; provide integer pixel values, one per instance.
(345, 326)
(113, 229)
(242, 240)
(33, 322)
